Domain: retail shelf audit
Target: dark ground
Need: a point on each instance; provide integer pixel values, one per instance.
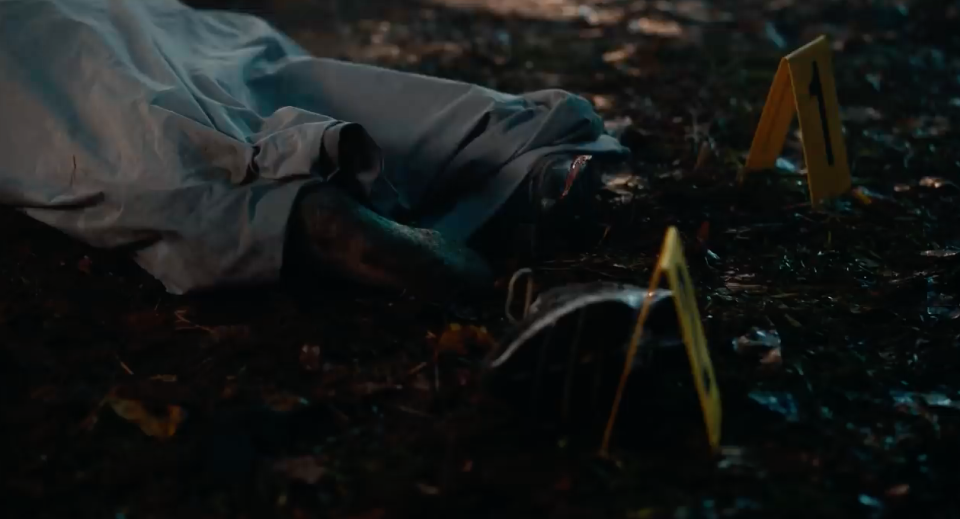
(304, 405)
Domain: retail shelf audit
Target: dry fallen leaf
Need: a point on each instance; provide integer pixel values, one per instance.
(621, 54)
(458, 339)
(161, 426)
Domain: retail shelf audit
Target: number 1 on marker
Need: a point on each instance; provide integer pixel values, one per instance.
(804, 85)
(816, 90)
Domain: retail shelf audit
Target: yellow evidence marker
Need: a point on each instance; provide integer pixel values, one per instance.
(672, 264)
(807, 74)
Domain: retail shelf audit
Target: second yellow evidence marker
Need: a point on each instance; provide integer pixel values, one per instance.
(804, 84)
(672, 265)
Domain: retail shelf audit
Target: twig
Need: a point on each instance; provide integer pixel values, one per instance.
(416, 369)
(124, 365)
(412, 411)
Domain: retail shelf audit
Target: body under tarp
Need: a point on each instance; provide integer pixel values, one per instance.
(184, 136)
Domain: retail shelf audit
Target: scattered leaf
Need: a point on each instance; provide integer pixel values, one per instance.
(161, 424)
(460, 339)
(764, 345)
(936, 182)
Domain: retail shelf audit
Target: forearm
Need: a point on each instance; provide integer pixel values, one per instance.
(333, 232)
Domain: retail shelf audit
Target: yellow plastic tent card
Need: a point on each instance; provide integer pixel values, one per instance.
(671, 265)
(804, 85)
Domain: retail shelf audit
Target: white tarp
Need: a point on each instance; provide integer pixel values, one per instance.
(184, 136)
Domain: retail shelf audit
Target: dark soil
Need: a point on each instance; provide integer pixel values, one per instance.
(313, 401)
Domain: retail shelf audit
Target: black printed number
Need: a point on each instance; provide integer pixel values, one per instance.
(816, 90)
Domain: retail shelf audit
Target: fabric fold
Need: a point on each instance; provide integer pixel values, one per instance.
(185, 136)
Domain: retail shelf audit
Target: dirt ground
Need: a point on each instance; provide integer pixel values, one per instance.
(312, 401)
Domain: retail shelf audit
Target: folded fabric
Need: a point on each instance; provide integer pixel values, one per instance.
(184, 136)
